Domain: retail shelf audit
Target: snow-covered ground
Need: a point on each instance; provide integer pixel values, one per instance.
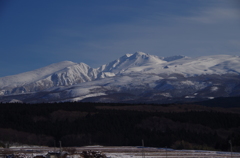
(127, 152)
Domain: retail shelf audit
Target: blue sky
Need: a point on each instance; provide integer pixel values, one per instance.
(36, 33)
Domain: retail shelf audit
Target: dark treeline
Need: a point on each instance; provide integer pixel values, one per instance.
(226, 102)
(79, 124)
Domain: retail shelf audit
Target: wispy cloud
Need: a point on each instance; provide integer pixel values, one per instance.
(215, 15)
(96, 32)
(203, 31)
(235, 43)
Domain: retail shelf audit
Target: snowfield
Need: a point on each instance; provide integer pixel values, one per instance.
(125, 152)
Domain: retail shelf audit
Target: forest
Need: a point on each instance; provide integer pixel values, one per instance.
(177, 126)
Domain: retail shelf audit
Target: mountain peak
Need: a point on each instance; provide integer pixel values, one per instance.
(128, 61)
(128, 55)
(140, 53)
(33, 76)
(135, 55)
(83, 65)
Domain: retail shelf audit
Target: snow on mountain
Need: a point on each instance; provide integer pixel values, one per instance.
(132, 77)
(139, 88)
(216, 64)
(127, 61)
(172, 58)
(59, 74)
(207, 65)
(145, 63)
(32, 76)
(74, 74)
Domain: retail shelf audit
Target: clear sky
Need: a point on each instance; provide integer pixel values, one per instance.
(36, 33)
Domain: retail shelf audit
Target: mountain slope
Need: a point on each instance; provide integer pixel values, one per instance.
(32, 76)
(74, 74)
(131, 61)
(172, 58)
(145, 63)
(59, 74)
(207, 65)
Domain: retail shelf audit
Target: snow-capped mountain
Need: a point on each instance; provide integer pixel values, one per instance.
(137, 77)
(128, 61)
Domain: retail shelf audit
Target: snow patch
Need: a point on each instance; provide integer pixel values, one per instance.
(109, 74)
(15, 101)
(210, 97)
(2, 92)
(172, 58)
(168, 95)
(189, 97)
(213, 89)
(86, 96)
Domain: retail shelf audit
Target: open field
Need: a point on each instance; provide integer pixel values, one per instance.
(123, 152)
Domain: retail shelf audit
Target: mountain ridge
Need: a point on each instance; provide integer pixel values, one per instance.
(143, 76)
